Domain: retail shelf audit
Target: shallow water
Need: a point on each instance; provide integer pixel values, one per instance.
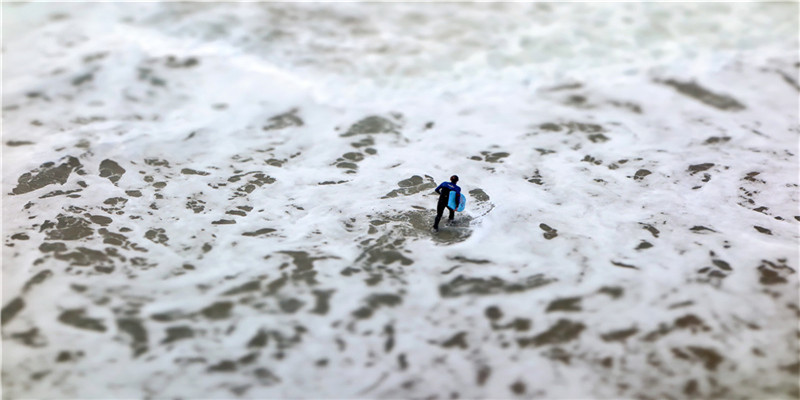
(235, 200)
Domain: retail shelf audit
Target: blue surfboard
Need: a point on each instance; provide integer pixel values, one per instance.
(451, 203)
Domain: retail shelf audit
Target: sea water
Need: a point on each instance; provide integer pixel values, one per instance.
(216, 200)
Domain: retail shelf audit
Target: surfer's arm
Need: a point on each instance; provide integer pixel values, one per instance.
(439, 189)
(458, 197)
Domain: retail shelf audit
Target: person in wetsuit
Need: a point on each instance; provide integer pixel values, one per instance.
(444, 196)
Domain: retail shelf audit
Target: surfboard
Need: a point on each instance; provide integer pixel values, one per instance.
(451, 203)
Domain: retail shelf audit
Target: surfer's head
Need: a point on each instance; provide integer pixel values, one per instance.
(454, 178)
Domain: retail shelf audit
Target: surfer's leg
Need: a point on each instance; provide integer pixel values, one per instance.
(439, 211)
(452, 213)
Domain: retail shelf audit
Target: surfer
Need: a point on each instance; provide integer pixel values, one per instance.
(444, 196)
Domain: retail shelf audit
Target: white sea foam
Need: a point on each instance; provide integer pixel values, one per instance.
(632, 172)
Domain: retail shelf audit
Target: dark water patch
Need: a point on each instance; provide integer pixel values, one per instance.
(717, 140)
(650, 228)
(411, 186)
(276, 285)
(721, 264)
(691, 322)
(633, 107)
(20, 236)
(52, 247)
(458, 340)
(174, 62)
(493, 313)
(388, 331)
(491, 157)
(703, 95)
(693, 169)
(156, 162)
(282, 121)
(591, 160)
(83, 78)
(77, 318)
(598, 138)
(236, 212)
(290, 305)
(577, 100)
(111, 170)
(169, 316)
(376, 301)
(261, 339)
(302, 260)
(17, 143)
(619, 335)
(68, 356)
(83, 257)
(751, 177)
(517, 324)
(550, 127)
(701, 229)
(67, 227)
(223, 222)
(615, 292)
(37, 279)
(483, 374)
(157, 235)
(518, 388)
(710, 358)
(135, 329)
(322, 304)
(623, 265)
(544, 151)
(118, 239)
(455, 267)
(562, 331)
(160, 185)
(133, 193)
(641, 174)
(461, 285)
(223, 366)
(331, 183)
(263, 231)
(469, 260)
(257, 180)
(196, 205)
(549, 233)
(353, 156)
(67, 193)
(47, 174)
(347, 165)
(567, 304)
(565, 86)
(100, 219)
(762, 230)
(176, 333)
(218, 310)
(248, 287)
(479, 195)
(644, 245)
(373, 125)
(114, 205)
(11, 310)
(536, 178)
(189, 171)
(275, 162)
(365, 142)
(31, 338)
(774, 272)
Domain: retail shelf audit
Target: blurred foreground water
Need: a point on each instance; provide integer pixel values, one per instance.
(233, 200)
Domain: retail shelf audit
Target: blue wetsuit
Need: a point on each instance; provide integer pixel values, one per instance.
(444, 197)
